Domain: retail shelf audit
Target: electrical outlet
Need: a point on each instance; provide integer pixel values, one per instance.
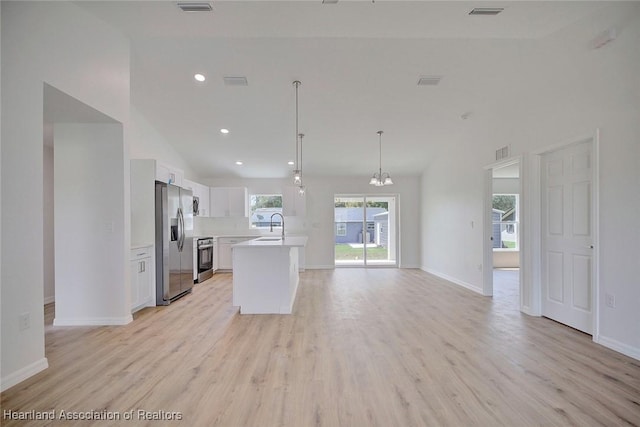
(24, 321)
(610, 300)
(479, 267)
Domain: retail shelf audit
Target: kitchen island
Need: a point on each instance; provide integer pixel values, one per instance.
(265, 274)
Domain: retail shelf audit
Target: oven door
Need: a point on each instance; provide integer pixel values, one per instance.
(205, 262)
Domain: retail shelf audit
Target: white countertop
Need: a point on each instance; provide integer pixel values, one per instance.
(289, 241)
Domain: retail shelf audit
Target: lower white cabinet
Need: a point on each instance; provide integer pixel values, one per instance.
(141, 267)
(195, 260)
(225, 261)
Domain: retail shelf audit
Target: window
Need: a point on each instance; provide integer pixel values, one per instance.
(341, 229)
(261, 209)
(505, 222)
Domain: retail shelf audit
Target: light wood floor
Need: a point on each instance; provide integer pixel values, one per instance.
(378, 347)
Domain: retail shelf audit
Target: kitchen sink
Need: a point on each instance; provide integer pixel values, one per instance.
(269, 239)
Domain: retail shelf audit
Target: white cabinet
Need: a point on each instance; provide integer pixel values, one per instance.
(228, 202)
(225, 260)
(141, 267)
(293, 203)
(169, 174)
(195, 260)
(202, 193)
(215, 254)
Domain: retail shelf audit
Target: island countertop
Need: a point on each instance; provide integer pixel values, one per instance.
(261, 242)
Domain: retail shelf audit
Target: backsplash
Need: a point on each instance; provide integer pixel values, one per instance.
(204, 226)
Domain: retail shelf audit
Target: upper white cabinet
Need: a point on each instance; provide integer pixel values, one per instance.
(228, 202)
(293, 204)
(202, 193)
(169, 174)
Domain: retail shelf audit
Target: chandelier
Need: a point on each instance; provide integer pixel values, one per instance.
(380, 178)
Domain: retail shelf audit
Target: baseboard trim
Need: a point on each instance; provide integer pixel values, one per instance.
(320, 267)
(94, 321)
(24, 373)
(616, 345)
(453, 280)
(49, 300)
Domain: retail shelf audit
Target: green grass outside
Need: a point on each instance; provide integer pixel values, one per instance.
(346, 252)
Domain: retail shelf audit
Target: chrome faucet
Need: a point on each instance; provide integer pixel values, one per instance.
(271, 223)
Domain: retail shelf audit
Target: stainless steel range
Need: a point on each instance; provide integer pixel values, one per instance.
(206, 251)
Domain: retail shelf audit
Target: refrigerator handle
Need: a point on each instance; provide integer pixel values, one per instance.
(183, 231)
(180, 230)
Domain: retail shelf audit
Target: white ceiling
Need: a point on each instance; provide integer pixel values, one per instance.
(358, 62)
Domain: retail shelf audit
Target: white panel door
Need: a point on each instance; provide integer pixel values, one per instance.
(567, 226)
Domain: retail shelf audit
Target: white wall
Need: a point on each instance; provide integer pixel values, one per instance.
(566, 91)
(49, 270)
(318, 224)
(145, 142)
(60, 44)
(89, 224)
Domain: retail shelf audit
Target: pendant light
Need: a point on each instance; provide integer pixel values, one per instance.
(297, 173)
(380, 178)
(301, 188)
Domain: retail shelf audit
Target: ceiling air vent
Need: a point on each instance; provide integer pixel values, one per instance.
(235, 81)
(429, 80)
(329, 1)
(195, 6)
(490, 11)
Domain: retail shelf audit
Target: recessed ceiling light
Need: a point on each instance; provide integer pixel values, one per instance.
(199, 77)
(290, 163)
(239, 163)
(225, 131)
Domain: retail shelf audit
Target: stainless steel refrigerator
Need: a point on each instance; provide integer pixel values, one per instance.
(174, 242)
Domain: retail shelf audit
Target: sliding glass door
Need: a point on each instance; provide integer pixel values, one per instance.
(365, 230)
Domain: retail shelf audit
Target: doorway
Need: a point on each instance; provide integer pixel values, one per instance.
(365, 231)
(503, 250)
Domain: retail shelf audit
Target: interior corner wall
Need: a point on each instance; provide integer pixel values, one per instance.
(145, 142)
(54, 43)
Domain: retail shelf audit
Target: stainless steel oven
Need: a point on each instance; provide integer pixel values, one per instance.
(206, 249)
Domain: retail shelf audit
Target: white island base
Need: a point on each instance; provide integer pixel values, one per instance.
(265, 275)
